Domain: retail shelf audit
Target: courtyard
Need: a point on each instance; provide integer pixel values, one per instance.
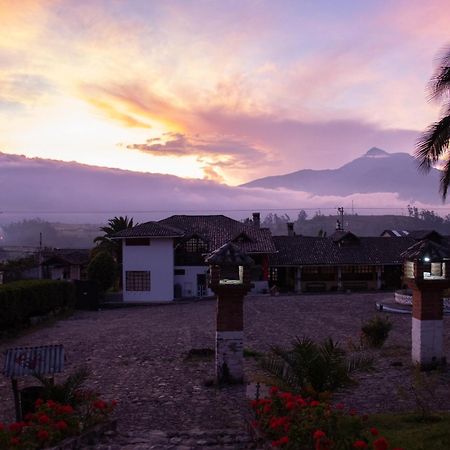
(138, 357)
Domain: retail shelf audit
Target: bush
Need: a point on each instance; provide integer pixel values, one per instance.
(376, 331)
(102, 269)
(293, 422)
(23, 299)
(313, 368)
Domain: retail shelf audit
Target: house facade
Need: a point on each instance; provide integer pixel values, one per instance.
(166, 260)
(340, 262)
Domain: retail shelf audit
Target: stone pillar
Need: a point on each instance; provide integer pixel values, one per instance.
(379, 277)
(339, 279)
(427, 327)
(229, 261)
(298, 280)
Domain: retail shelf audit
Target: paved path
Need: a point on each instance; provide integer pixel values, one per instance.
(137, 356)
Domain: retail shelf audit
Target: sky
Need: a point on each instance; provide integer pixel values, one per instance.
(227, 91)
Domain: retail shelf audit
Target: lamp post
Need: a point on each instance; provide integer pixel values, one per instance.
(427, 273)
(230, 281)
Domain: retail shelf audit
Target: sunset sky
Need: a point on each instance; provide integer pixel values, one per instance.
(226, 90)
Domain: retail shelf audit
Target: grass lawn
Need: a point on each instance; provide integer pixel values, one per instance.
(408, 432)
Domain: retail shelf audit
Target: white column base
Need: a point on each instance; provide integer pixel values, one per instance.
(229, 355)
(426, 339)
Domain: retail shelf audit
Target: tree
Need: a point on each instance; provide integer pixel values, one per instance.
(102, 269)
(113, 246)
(433, 144)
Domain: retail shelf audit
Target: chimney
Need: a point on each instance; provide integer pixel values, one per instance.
(290, 229)
(257, 219)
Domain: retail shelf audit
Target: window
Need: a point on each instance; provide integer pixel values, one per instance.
(273, 274)
(180, 272)
(195, 245)
(137, 241)
(137, 280)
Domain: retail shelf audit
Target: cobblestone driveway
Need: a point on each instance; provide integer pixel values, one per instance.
(137, 357)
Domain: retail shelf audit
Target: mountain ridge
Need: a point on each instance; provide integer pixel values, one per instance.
(374, 171)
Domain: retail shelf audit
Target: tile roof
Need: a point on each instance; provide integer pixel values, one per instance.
(149, 229)
(229, 254)
(305, 250)
(429, 248)
(66, 256)
(218, 230)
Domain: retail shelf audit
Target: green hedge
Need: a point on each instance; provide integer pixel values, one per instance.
(23, 299)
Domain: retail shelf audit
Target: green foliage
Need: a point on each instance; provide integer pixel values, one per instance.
(376, 331)
(403, 430)
(102, 269)
(309, 366)
(65, 392)
(112, 246)
(423, 390)
(13, 268)
(23, 299)
(293, 422)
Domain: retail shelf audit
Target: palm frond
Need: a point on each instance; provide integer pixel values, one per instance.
(433, 144)
(440, 82)
(445, 180)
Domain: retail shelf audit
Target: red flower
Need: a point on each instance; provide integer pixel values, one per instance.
(273, 390)
(15, 427)
(339, 406)
(44, 419)
(38, 402)
(314, 403)
(51, 404)
(61, 425)
(114, 403)
(374, 431)
(266, 409)
(380, 444)
(14, 441)
(353, 412)
(2, 427)
(66, 409)
(290, 405)
(360, 444)
(43, 435)
(283, 440)
(318, 434)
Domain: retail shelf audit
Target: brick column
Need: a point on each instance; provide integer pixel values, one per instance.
(427, 326)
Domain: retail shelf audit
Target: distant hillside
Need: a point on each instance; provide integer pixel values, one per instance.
(360, 225)
(375, 171)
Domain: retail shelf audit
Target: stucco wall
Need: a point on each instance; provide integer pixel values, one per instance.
(156, 258)
(188, 281)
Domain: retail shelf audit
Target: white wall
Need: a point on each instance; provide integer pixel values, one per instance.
(188, 281)
(156, 258)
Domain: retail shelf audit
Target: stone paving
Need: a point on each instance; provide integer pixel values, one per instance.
(137, 356)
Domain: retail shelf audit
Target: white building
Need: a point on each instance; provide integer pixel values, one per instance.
(165, 260)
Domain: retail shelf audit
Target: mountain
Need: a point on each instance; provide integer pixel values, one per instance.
(375, 171)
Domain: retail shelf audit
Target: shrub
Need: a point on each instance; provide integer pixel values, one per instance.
(294, 423)
(310, 367)
(376, 331)
(23, 299)
(102, 269)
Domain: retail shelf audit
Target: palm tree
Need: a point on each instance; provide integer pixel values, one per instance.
(112, 246)
(434, 143)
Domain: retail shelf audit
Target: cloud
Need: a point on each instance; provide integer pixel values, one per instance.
(215, 153)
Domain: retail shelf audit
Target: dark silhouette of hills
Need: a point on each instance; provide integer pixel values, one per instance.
(375, 171)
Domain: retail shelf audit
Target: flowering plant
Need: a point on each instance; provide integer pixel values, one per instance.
(52, 421)
(292, 422)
